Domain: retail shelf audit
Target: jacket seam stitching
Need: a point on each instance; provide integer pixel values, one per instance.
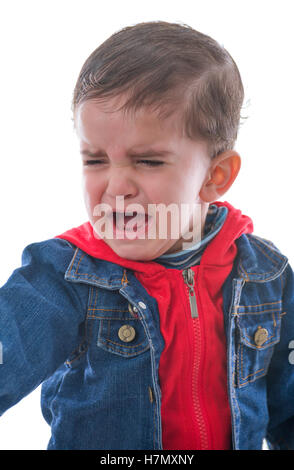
(106, 340)
(259, 305)
(109, 309)
(254, 239)
(125, 353)
(256, 313)
(256, 374)
(73, 260)
(101, 317)
(265, 254)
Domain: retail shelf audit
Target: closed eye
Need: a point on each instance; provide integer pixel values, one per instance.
(151, 162)
(92, 162)
(144, 162)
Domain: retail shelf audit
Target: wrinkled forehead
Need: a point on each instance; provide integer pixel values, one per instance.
(104, 127)
(119, 134)
(162, 113)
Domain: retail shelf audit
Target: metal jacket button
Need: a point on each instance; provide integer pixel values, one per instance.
(126, 333)
(260, 336)
(133, 310)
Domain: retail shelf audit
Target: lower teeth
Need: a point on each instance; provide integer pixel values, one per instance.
(125, 229)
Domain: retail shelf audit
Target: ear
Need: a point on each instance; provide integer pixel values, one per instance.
(222, 173)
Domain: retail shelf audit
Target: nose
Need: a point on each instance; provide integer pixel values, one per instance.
(121, 183)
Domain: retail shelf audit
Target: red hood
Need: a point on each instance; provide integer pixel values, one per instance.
(219, 250)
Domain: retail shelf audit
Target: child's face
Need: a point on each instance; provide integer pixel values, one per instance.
(122, 169)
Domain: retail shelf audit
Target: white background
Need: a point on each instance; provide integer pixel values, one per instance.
(43, 46)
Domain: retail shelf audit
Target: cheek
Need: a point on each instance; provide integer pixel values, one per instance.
(92, 191)
(192, 183)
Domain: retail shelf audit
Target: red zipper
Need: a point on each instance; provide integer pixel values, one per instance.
(188, 275)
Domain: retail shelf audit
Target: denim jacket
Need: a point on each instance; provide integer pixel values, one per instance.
(63, 314)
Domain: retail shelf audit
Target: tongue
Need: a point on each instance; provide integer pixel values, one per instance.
(121, 222)
(127, 218)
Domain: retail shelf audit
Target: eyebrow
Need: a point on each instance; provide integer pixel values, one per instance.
(147, 153)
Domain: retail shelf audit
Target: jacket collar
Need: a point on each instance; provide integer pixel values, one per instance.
(83, 268)
(258, 261)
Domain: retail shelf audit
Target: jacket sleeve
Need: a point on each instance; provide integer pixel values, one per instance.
(40, 316)
(281, 375)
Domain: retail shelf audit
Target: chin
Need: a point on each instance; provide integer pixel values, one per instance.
(135, 251)
(127, 252)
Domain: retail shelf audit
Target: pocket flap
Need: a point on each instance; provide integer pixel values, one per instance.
(259, 331)
(123, 335)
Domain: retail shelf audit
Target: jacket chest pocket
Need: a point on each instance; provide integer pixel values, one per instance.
(257, 333)
(121, 331)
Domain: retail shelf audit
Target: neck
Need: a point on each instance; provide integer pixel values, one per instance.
(180, 244)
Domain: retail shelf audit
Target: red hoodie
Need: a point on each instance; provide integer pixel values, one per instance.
(195, 410)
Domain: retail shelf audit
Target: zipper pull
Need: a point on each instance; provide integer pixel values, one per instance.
(188, 275)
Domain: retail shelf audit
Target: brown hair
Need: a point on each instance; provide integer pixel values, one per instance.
(170, 67)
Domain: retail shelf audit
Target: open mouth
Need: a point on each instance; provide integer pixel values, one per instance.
(130, 222)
